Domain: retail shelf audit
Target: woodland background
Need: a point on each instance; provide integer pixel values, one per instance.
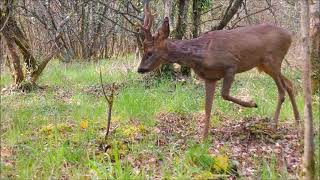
(96, 29)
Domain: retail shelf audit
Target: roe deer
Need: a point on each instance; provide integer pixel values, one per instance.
(221, 54)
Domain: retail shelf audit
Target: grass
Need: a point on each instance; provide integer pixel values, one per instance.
(42, 136)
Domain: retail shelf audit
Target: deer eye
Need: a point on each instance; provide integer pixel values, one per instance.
(149, 54)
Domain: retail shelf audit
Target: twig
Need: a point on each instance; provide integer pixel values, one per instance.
(234, 6)
(5, 22)
(109, 99)
(246, 11)
(214, 8)
(248, 15)
(286, 60)
(9, 10)
(271, 11)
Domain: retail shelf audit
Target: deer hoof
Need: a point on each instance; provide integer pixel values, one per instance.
(253, 104)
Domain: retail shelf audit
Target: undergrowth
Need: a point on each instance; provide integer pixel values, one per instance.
(56, 132)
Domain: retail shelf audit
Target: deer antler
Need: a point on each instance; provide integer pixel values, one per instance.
(148, 17)
(148, 20)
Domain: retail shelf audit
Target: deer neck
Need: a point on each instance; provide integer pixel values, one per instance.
(185, 52)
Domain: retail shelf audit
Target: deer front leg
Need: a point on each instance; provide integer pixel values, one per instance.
(210, 88)
(227, 81)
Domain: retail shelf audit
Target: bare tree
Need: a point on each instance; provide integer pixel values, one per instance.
(16, 39)
(308, 170)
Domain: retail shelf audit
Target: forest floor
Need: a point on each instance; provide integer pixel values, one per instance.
(57, 131)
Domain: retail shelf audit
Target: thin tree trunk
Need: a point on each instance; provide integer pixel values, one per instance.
(315, 44)
(166, 69)
(182, 18)
(83, 32)
(1, 50)
(308, 155)
(196, 15)
(113, 43)
(13, 31)
(17, 69)
(106, 48)
(167, 8)
(181, 28)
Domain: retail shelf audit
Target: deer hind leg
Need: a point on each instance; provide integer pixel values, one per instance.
(273, 68)
(227, 82)
(288, 86)
(281, 97)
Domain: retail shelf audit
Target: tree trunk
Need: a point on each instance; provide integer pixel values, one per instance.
(234, 6)
(17, 69)
(167, 8)
(1, 50)
(166, 69)
(83, 32)
(308, 170)
(181, 28)
(182, 18)
(7, 30)
(315, 44)
(97, 34)
(15, 34)
(112, 44)
(196, 15)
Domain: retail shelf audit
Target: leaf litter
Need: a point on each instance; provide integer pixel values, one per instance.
(248, 141)
(7, 156)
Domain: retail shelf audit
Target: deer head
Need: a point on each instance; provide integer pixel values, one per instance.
(154, 45)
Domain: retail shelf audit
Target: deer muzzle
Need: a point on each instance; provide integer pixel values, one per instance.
(142, 70)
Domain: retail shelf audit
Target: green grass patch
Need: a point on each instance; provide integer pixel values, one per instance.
(45, 131)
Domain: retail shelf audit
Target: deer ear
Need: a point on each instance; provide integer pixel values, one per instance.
(164, 30)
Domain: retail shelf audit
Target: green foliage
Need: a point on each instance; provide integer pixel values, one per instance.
(270, 171)
(198, 155)
(205, 4)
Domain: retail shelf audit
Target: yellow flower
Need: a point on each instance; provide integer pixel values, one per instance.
(84, 124)
(221, 163)
(130, 131)
(47, 129)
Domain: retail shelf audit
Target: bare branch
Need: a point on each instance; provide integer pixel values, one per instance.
(230, 12)
(248, 15)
